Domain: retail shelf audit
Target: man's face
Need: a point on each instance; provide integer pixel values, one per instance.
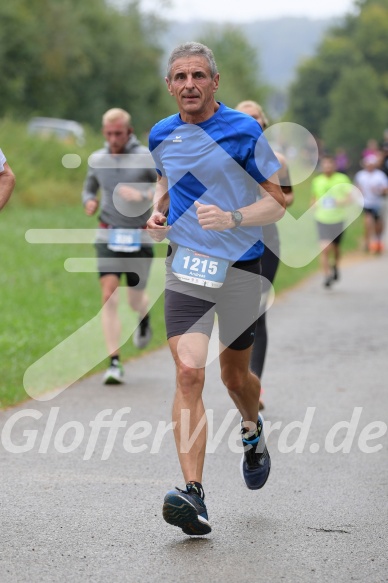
(193, 87)
(370, 165)
(116, 133)
(328, 166)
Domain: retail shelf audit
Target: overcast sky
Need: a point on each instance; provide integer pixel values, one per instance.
(247, 10)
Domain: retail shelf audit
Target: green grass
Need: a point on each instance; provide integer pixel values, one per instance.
(43, 305)
(42, 180)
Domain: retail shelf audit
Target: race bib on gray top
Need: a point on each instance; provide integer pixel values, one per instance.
(124, 240)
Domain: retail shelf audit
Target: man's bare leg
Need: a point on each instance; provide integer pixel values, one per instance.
(189, 352)
(324, 259)
(110, 319)
(243, 386)
(138, 301)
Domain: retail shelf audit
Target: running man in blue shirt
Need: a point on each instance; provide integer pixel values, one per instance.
(210, 160)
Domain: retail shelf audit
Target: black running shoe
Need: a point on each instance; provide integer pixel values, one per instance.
(143, 333)
(186, 509)
(255, 462)
(335, 274)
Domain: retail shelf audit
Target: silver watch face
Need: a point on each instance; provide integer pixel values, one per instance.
(237, 217)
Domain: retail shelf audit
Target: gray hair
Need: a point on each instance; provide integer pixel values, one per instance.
(189, 50)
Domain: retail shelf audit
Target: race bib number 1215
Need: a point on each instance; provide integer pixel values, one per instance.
(199, 269)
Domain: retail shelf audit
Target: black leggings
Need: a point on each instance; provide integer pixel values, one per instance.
(269, 264)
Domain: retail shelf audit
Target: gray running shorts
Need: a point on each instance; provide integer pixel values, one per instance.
(330, 232)
(192, 308)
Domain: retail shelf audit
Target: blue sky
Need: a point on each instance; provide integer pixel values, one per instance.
(246, 10)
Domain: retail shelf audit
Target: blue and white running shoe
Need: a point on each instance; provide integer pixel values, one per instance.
(186, 509)
(255, 463)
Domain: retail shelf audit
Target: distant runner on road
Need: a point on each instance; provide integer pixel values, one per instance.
(373, 184)
(331, 192)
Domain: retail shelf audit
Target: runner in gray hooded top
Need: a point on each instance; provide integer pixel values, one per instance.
(123, 173)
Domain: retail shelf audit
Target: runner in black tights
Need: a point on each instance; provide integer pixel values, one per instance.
(270, 258)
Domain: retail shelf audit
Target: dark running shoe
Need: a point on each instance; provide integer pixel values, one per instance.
(328, 281)
(143, 333)
(335, 273)
(186, 509)
(255, 462)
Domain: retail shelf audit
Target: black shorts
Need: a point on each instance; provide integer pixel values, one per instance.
(191, 308)
(116, 263)
(375, 212)
(270, 257)
(330, 232)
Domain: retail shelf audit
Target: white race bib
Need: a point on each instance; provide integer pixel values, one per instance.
(124, 240)
(197, 268)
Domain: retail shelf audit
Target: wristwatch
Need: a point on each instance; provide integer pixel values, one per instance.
(237, 217)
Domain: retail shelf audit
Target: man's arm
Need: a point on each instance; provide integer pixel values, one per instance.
(385, 186)
(89, 193)
(285, 180)
(313, 197)
(156, 222)
(269, 209)
(7, 184)
(346, 198)
(133, 194)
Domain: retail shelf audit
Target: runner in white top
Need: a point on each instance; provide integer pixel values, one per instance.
(373, 184)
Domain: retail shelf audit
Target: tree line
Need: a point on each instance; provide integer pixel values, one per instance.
(71, 59)
(75, 60)
(341, 94)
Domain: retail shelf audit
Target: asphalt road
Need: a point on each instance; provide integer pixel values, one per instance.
(322, 515)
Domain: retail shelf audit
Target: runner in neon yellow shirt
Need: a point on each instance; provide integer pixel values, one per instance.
(331, 191)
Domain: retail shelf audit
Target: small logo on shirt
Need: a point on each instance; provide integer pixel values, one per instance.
(177, 140)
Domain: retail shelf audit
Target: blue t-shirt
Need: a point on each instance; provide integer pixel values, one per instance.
(219, 161)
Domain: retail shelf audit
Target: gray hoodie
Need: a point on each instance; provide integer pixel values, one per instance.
(136, 168)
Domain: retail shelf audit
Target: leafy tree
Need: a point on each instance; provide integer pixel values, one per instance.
(309, 95)
(351, 60)
(371, 37)
(358, 111)
(73, 59)
(238, 65)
